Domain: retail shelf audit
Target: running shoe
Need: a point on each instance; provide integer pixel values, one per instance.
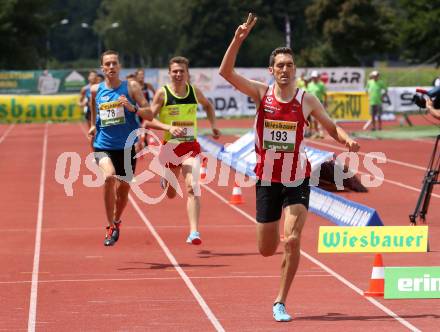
(279, 313)
(112, 235)
(194, 238)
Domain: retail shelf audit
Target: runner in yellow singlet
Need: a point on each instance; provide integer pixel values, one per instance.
(176, 104)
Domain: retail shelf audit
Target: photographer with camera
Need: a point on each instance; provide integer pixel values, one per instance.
(431, 103)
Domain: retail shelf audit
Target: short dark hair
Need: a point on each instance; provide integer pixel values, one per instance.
(280, 50)
(109, 52)
(180, 60)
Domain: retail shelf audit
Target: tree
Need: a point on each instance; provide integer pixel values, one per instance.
(208, 27)
(294, 12)
(23, 31)
(348, 32)
(147, 29)
(74, 40)
(419, 30)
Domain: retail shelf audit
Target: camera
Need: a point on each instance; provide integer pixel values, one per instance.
(433, 94)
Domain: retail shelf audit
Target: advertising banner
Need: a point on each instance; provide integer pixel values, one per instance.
(44, 82)
(339, 210)
(228, 101)
(203, 78)
(338, 79)
(35, 108)
(337, 239)
(399, 99)
(348, 106)
(421, 282)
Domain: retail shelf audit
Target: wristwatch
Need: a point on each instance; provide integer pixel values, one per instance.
(136, 108)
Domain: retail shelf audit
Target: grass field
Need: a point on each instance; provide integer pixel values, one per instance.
(407, 76)
(398, 132)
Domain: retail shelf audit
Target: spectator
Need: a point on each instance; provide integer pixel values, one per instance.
(317, 88)
(376, 89)
(301, 82)
(139, 76)
(85, 95)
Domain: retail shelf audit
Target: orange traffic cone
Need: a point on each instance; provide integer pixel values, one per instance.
(377, 281)
(203, 168)
(236, 197)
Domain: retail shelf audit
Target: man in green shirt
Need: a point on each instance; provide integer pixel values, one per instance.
(376, 89)
(317, 88)
(301, 82)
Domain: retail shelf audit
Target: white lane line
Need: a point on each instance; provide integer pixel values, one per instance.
(34, 286)
(392, 161)
(423, 140)
(388, 311)
(175, 264)
(330, 271)
(179, 270)
(396, 183)
(6, 133)
(82, 229)
(158, 278)
(399, 184)
(324, 267)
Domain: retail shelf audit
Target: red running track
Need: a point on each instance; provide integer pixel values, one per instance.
(152, 280)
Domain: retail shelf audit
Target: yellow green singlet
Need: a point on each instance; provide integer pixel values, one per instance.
(180, 112)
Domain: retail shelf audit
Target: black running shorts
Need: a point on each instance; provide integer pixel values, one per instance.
(272, 199)
(117, 158)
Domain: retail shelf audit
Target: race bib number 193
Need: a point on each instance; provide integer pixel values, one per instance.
(279, 135)
(111, 113)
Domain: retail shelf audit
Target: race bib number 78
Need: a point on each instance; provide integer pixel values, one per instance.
(279, 135)
(111, 113)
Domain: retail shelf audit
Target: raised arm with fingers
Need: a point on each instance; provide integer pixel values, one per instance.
(253, 89)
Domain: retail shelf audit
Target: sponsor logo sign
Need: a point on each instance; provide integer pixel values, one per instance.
(36, 108)
(338, 79)
(349, 106)
(399, 99)
(412, 282)
(336, 239)
(335, 208)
